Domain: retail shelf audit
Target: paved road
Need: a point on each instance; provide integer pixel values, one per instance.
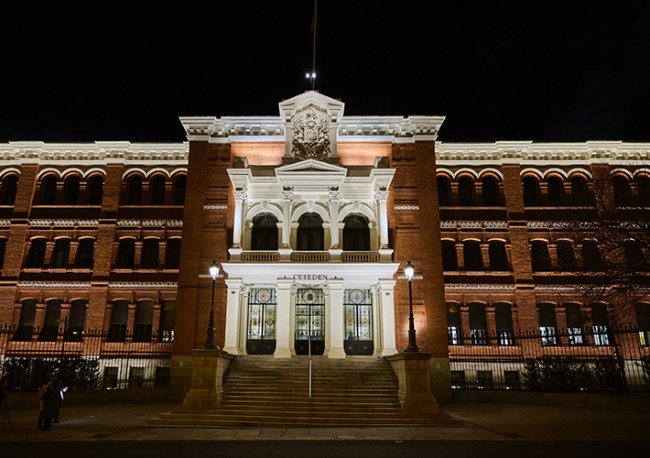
(325, 449)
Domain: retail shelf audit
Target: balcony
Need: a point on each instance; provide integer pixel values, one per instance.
(260, 256)
(310, 256)
(360, 256)
(334, 256)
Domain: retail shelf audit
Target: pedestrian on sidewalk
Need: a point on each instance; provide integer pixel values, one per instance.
(50, 396)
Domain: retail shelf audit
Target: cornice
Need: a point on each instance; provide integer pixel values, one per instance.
(543, 153)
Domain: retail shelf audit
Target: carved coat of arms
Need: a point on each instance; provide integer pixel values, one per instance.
(311, 133)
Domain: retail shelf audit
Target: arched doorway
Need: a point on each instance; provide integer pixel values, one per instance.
(357, 304)
(310, 321)
(262, 305)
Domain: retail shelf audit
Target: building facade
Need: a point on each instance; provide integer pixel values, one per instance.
(311, 216)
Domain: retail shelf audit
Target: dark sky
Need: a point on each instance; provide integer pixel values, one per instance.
(527, 70)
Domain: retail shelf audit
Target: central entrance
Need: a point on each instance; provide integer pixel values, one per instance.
(262, 305)
(357, 304)
(310, 321)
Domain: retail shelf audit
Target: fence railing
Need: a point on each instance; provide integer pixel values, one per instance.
(310, 256)
(90, 359)
(360, 256)
(599, 359)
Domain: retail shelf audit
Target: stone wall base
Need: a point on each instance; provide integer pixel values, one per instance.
(412, 370)
(180, 377)
(440, 373)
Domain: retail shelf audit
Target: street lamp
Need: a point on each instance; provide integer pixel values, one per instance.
(214, 273)
(409, 270)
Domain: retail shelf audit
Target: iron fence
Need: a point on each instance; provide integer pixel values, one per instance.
(597, 359)
(90, 359)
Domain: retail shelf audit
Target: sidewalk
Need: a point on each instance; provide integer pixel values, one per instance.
(482, 422)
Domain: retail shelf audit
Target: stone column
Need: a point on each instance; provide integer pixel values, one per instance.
(492, 325)
(232, 342)
(413, 373)
(335, 322)
(464, 320)
(283, 319)
(386, 308)
(381, 194)
(240, 196)
(334, 218)
(208, 367)
(485, 255)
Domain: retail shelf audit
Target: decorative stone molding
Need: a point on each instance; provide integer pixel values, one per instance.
(64, 222)
(415, 277)
(215, 207)
(559, 225)
(5, 222)
(311, 133)
(142, 285)
(472, 287)
(407, 207)
(53, 284)
(476, 224)
(153, 222)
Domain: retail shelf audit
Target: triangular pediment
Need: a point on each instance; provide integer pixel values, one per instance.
(311, 165)
(333, 107)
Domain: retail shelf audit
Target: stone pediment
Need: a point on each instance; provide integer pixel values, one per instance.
(311, 166)
(334, 108)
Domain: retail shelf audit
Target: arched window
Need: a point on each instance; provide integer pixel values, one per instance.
(574, 324)
(61, 253)
(77, 320)
(643, 320)
(566, 260)
(454, 328)
(548, 324)
(36, 258)
(48, 190)
(85, 253)
(179, 190)
(167, 319)
(72, 190)
(3, 247)
(126, 254)
(356, 235)
(449, 256)
(541, 260)
(443, 191)
(531, 192)
(143, 321)
(310, 233)
(490, 192)
(264, 235)
(498, 257)
(25, 329)
(477, 324)
(9, 189)
(503, 321)
(173, 253)
(643, 187)
(465, 192)
(472, 256)
(135, 191)
(554, 191)
(634, 256)
(622, 195)
(158, 191)
(150, 251)
(600, 322)
(119, 320)
(95, 190)
(579, 191)
(591, 259)
(50, 329)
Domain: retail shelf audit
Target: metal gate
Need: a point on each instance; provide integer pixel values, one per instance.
(262, 304)
(358, 322)
(310, 321)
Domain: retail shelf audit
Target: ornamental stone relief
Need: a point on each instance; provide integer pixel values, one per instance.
(311, 133)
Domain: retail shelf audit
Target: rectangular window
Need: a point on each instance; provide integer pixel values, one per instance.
(454, 337)
(575, 336)
(110, 378)
(548, 335)
(484, 380)
(505, 338)
(512, 380)
(600, 336)
(136, 377)
(162, 376)
(458, 379)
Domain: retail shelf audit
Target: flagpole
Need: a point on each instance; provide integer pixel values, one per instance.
(313, 66)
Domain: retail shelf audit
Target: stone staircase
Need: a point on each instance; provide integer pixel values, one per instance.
(261, 391)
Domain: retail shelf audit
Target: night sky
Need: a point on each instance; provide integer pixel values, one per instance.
(528, 70)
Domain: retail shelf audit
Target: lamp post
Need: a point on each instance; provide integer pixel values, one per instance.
(409, 270)
(214, 273)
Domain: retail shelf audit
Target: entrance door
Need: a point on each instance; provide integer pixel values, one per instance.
(310, 321)
(358, 322)
(262, 304)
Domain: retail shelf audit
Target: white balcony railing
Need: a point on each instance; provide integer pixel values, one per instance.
(360, 256)
(260, 256)
(310, 256)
